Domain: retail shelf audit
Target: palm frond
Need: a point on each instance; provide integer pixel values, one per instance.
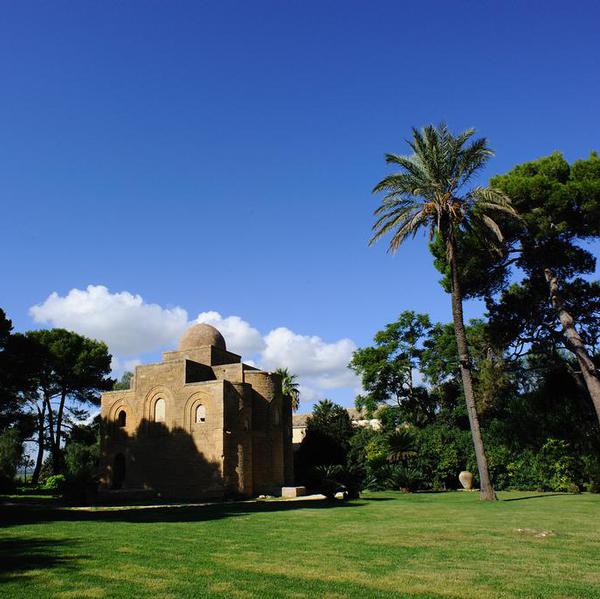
(426, 192)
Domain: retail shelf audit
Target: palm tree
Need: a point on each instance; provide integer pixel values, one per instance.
(428, 193)
(401, 445)
(290, 387)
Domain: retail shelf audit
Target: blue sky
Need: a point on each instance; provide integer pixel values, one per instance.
(219, 157)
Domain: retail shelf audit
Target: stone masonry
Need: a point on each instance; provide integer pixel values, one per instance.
(200, 424)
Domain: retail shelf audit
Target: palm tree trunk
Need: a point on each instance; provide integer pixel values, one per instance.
(486, 491)
(574, 342)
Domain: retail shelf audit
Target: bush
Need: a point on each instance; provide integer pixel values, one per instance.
(442, 452)
(11, 450)
(329, 480)
(552, 468)
(591, 469)
(81, 461)
(556, 468)
(55, 482)
(398, 477)
(499, 458)
(46, 470)
(81, 479)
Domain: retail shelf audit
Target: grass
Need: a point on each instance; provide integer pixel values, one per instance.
(383, 545)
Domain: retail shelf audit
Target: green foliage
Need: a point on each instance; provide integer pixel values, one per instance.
(11, 451)
(74, 364)
(124, 383)
(397, 477)
(400, 445)
(329, 480)
(327, 441)
(17, 374)
(556, 468)
(72, 370)
(429, 191)
(386, 369)
(331, 420)
(442, 452)
(55, 482)
(559, 205)
(290, 387)
(523, 404)
(81, 462)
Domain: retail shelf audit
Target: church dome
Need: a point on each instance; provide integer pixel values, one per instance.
(201, 335)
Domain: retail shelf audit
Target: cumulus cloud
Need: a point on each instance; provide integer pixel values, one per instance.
(240, 337)
(308, 395)
(128, 324)
(131, 327)
(324, 364)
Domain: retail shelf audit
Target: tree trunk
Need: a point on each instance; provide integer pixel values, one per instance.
(57, 461)
(39, 460)
(53, 447)
(574, 342)
(486, 491)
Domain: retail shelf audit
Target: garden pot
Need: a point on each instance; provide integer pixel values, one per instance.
(466, 480)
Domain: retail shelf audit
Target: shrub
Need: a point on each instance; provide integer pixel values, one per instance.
(55, 482)
(556, 468)
(81, 464)
(11, 450)
(329, 480)
(442, 452)
(499, 458)
(81, 461)
(552, 468)
(399, 477)
(591, 465)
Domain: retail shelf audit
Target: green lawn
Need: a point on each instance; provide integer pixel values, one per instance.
(383, 545)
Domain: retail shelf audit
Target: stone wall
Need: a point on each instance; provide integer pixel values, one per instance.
(237, 443)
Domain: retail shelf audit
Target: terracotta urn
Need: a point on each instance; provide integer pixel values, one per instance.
(466, 480)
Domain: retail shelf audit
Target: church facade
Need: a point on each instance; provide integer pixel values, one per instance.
(199, 424)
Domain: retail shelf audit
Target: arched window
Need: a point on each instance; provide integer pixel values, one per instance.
(276, 417)
(159, 410)
(200, 414)
(122, 418)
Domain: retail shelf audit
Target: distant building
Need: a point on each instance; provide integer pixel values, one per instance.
(357, 417)
(198, 424)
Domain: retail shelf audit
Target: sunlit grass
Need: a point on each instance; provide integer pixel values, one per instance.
(383, 545)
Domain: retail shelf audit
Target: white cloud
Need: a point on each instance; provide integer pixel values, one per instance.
(124, 321)
(308, 395)
(132, 327)
(240, 337)
(324, 364)
(119, 367)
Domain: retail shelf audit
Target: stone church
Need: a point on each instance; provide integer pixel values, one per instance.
(199, 424)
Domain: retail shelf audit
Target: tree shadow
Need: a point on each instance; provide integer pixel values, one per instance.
(539, 496)
(155, 460)
(14, 515)
(19, 555)
(369, 499)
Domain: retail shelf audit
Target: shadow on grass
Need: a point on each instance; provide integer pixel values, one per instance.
(13, 515)
(18, 556)
(369, 499)
(540, 496)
